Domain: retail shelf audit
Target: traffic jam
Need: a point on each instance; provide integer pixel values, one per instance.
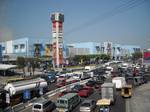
(73, 88)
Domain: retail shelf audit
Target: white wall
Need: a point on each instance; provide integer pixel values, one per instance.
(9, 47)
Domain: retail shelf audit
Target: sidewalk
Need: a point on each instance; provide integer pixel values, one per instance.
(140, 101)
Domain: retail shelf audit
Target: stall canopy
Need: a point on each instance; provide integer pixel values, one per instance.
(7, 67)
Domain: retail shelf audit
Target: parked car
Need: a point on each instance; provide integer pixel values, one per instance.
(63, 93)
(66, 92)
(90, 83)
(86, 91)
(88, 106)
(50, 78)
(77, 88)
(97, 86)
(43, 105)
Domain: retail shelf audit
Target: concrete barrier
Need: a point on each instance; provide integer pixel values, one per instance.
(51, 93)
(19, 107)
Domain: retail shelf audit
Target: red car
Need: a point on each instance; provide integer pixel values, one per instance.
(86, 91)
(66, 92)
(61, 84)
(63, 93)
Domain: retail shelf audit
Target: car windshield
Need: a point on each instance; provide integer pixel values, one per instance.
(108, 69)
(85, 89)
(85, 105)
(62, 102)
(90, 81)
(49, 76)
(37, 106)
(77, 86)
(64, 92)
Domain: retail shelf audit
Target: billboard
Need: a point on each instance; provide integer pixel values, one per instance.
(48, 49)
(146, 57)
(37, 50)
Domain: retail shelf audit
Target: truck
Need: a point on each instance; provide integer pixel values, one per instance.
(119, 82)
(24, 88)
(89, 68)
(108, 91)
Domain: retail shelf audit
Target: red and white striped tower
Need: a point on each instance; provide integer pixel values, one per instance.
(57, 34)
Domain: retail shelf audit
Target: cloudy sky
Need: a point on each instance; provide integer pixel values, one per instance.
(119, 21)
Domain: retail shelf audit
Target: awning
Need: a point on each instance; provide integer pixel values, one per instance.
(6, 66)
(103, 102)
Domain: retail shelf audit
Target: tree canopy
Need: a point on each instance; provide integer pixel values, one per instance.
(137, 55)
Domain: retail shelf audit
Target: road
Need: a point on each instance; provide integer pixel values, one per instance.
(141, 95)
(119, 105)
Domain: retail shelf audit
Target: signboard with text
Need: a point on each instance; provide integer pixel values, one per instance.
(146, 57)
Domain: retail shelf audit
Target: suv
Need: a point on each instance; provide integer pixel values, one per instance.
(43, 105)
(88, 106)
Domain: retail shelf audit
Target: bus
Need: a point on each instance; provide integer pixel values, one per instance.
(67, 102)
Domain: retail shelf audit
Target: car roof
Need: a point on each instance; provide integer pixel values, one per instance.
(87, 101)
(41, 101)
(107, 85)
(68, 96)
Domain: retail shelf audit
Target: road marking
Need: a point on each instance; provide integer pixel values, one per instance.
(128, 106)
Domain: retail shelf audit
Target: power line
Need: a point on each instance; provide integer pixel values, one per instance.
(120, 9)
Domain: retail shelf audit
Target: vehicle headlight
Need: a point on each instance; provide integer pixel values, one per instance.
(101, 109)
(106, 109)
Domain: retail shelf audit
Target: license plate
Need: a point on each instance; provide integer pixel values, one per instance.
(61, 110)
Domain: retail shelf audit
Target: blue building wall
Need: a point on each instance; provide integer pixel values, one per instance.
(90, 45)
(118, 50)
(0, 53)
(131, 48)
(17, 50)
(42, 41)
(25, 46)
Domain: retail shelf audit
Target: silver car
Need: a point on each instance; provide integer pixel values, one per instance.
(88, 106)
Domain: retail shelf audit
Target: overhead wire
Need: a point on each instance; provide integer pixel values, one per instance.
(120, 9)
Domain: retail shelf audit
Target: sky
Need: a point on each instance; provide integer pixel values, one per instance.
(118, 21)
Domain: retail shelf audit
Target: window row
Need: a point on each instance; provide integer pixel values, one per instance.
(21, 46)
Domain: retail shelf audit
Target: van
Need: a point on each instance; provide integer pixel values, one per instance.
(108, 91)
(67, 102)
(119, 82)
(43, 105)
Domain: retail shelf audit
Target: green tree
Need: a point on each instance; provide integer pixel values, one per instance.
(136, 56)
(86, 58)
(105, 57)
(21, 63)
(32, 64)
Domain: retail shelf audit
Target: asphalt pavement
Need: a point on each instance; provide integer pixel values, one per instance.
(140, 101)
(119, 105)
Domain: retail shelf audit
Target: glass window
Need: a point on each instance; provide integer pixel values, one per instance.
(15, 46)
(22, 46)
(47, 104)
(37, 106)
(62, 101)
(3, 48)
(85, 104)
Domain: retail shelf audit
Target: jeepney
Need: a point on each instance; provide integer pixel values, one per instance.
(103, 105)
